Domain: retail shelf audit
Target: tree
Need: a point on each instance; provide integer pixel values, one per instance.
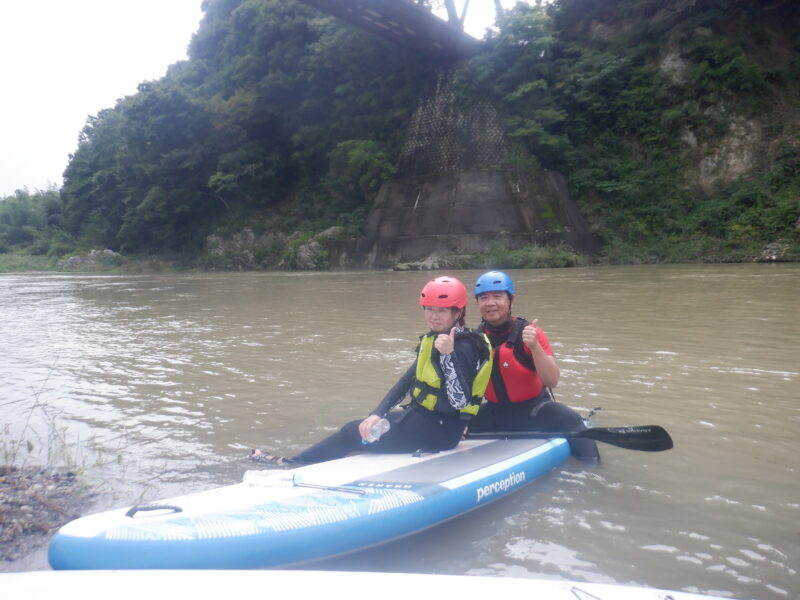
(270, 90)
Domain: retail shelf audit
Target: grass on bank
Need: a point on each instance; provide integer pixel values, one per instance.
(529, 257)
(44, 447)
(17, 262)
(668, 250)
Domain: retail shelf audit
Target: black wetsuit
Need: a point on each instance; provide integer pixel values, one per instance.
(415, 428)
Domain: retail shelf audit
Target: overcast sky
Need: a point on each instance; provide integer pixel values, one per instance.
(64, 60)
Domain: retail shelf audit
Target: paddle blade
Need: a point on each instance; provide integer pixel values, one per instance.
(647, 438)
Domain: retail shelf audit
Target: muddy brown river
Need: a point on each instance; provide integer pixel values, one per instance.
(157, 385)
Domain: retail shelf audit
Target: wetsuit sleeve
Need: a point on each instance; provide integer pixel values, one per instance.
(459, 369)
(452, 383)
(398, 391)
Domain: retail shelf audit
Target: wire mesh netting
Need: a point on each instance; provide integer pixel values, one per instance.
(445, 135)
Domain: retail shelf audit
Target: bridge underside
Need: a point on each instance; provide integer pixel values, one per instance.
(406, 24)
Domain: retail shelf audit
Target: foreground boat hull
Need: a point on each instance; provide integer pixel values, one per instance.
(202, 585)
(280, 518)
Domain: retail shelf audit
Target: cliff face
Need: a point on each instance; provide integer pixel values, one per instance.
(750, 136)
(768, 34)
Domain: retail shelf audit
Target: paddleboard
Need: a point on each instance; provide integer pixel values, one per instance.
(276, 518)
(212, 585)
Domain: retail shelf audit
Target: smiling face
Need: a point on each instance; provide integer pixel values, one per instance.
(495, 307)
(440, 319)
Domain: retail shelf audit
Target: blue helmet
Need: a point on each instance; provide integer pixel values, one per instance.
(494, 281)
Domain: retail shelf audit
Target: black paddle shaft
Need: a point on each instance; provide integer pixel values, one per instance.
(647, 438)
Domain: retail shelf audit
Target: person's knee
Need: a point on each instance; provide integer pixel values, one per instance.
(558, 417)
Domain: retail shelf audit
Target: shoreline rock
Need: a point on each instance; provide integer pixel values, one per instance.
(34, 503)
(93, 260)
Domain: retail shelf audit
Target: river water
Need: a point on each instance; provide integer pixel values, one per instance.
(156, 385)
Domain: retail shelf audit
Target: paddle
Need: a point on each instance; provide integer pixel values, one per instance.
(648, 438)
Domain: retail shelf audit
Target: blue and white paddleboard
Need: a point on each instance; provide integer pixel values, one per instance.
(213, 585)
(277, 518)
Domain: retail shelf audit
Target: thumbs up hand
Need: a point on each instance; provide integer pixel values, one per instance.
(446, 343)
(530, 335)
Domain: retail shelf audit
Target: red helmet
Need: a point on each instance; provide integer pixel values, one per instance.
(444, 291)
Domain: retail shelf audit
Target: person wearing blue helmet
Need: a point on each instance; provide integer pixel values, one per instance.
(523, 373)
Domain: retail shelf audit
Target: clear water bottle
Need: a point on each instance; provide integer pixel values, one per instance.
(376, 431)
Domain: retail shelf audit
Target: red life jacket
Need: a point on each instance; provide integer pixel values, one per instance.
(514, 377)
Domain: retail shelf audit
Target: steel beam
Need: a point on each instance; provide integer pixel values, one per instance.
(405, 23)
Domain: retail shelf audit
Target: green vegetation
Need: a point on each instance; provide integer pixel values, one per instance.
(677, 131)
(530, 257)
(11, 262)
(633, 139)
(30, 228)
(243, 129)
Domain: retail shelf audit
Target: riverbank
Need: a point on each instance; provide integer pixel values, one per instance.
(534, 257)
(34, 503)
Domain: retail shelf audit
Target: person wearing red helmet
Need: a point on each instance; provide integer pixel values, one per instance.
(446, 384)
(519, 396)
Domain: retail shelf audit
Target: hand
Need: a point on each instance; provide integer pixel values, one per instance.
(366, 425)
(530, 335)
(546, 366)
(446, 343)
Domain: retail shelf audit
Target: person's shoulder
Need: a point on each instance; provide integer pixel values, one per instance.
(468, 332)
(467, 335)
(472, 340)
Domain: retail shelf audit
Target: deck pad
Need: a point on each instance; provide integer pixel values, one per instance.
(453, 464)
